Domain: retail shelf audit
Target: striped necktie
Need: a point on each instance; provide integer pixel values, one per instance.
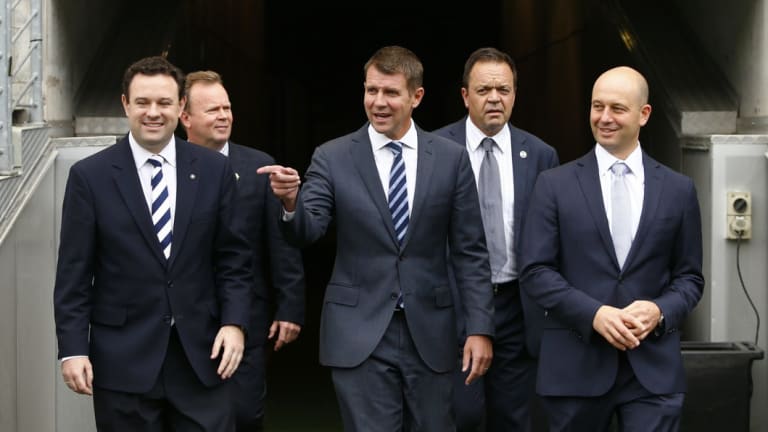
(398, 192)
(398, 200)
(161, 205)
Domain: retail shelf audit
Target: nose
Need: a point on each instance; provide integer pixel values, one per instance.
(493, 96)
(379, 99)
(605, 116)
(153, 110)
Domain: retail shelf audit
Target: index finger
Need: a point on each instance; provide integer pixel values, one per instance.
(269, 169)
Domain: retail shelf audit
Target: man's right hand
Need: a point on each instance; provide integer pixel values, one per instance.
(616, 326)
(78, 375)
(285, 183)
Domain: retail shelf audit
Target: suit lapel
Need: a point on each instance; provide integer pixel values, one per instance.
(425, 166)
(651, 198)
(362, 158)
(589, 181)
(128, 183)
(187, 179)
(520, 176)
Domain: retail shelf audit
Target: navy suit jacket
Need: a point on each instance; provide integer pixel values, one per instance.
(277, 266)
(115, 291)
(570, 269)
(530, 156)
(342, 183)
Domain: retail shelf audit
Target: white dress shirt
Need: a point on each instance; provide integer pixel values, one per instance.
(140, 157)
(503, 155)
(383, 157)
(635, 180)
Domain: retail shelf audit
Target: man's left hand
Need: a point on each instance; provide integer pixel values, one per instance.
(286, 332)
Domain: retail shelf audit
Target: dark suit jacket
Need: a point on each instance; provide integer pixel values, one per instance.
(530, 156)
(115, 292)
(276, 264)
(570, 269)
(343, 183)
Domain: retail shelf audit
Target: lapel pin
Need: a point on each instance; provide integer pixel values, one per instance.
(523, 154)
(192, 176)
(237, 176)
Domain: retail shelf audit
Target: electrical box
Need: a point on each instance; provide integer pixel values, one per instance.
(739, 215)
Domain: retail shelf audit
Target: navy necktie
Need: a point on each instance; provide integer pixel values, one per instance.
(398, 199)
(398, 192)
(161, 205)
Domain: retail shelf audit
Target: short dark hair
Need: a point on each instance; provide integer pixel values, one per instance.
(488, 54)
(155, 65)
(391, 60)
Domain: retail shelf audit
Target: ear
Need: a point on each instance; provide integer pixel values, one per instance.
(124, 100)
(645, 114)
(465, 96)
(417, 96)
(184, 117)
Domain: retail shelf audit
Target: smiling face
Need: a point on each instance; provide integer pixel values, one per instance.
(208, 115)
(619, 109)
(388, 103)
(490, 95)
(153, 109)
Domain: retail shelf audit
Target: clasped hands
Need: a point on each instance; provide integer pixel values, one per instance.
(626, 328)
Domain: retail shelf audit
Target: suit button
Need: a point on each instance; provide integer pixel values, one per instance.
(167, 319)
(393, 296)
(170, 284)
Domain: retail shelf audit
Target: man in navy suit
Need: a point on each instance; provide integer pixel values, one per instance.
(488, 89)
(388, 322)
(612, 251)
(277, 267)
(150, 310)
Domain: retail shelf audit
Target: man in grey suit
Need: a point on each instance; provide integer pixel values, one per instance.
(388, 322)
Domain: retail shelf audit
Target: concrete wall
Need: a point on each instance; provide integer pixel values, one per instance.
(32, 394)
(736, 35)
(72, 30)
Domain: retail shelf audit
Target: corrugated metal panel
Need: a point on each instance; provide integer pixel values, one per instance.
(34, 144)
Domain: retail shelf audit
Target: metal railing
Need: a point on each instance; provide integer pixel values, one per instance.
(21, 93)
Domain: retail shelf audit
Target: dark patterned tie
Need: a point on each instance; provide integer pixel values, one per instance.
(398, 198)
(161, 205)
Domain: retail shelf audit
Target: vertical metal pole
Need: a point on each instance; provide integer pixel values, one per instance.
(36, 44)
(6, 147)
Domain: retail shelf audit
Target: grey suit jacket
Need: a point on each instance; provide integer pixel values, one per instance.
(342, 183)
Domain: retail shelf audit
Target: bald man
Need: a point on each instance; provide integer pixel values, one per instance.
(612, 251)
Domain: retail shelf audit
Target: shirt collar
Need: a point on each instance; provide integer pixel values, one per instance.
(475, 136)
(140, 154)
(225, 149)
(378, 140)
(634, 161)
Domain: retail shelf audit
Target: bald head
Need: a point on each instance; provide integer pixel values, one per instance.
(619, 109)
(630, 80)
